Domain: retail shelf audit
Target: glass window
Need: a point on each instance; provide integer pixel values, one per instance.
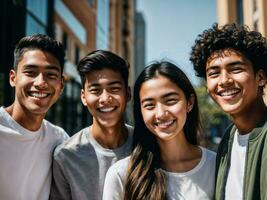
(39, 9)
(36, 16)
(102, 24)
(76, 55)
(90, 2)
(32, 26)
(240, 17)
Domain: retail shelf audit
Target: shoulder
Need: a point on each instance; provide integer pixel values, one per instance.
(210, 155)
(70, 145)
(119, 168)
(55, 130)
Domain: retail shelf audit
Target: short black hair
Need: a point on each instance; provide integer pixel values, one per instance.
(41, 42)
(103, 59)
(230, 36)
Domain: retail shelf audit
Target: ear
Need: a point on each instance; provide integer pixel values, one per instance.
(128, 94)
(83, 97)
(261, 77)
(12, 78)
(190, 103)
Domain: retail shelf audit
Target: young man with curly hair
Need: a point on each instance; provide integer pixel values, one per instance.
(233, 60)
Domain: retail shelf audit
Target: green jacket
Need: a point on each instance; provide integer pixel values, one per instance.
(255, 178)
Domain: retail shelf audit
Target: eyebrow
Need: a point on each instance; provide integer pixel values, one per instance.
(29, 66)
(164, 96)
(109, 84)
(228, 64)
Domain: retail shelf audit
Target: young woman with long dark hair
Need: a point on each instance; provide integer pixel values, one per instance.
(166, 162)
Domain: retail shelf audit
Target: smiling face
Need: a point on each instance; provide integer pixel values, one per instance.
(232, 82)
(164, 107)
(38, 82)
(105, 96)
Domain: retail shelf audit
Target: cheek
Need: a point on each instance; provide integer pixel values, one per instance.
(89, 100)
(147, 117)
(211, 84)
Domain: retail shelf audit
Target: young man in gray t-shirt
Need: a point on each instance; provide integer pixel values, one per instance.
(81, 163)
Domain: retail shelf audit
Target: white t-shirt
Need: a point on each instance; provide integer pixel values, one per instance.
(196, 184)
(25, 159)
(235, 178)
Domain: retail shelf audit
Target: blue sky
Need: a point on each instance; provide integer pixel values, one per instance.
(172, 26)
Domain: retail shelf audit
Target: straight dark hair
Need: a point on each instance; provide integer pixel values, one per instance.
(102, 59)
(40, 42)
(145, 179)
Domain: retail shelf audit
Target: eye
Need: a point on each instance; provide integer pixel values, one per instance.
(148, 106)
(115, 89)
(29, 73)
(94, 90)
(171, 101)
(51, 75)
(237, 70)
(213, 73)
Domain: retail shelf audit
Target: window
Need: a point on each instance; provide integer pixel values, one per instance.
(36, 16)
(240, 17)
(90, 2)
(102, 31)
(76, 54)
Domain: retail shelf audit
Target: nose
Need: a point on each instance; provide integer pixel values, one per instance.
(40, 81)
(225, 79)
(105, 97)
(161, 111)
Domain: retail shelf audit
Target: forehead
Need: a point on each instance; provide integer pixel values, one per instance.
(103, 76)
(224, 55)
(157, 87)
(39, 59)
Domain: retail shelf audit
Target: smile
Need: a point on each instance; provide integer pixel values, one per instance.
(109, 109)
(164, 124)
(229, 92)
(38, 94)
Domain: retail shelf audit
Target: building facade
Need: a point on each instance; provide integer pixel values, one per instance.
(81, 26)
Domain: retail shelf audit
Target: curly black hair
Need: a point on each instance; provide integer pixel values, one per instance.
(231, 36)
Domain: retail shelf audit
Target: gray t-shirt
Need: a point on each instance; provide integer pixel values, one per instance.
(80, 166)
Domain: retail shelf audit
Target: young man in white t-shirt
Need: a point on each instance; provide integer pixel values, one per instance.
(81, 163)
(27, 140)
(233, 60)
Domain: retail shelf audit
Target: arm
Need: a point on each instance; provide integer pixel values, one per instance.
(60, 188)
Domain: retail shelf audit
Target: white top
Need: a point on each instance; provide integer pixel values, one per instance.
(235, 178)
(25, 159)
(196, 184)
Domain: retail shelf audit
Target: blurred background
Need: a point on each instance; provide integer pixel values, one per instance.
(140, 31)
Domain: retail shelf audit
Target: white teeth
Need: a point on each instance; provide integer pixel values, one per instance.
(107, 109)
(229, 92)
(164, 124)
(38, 95)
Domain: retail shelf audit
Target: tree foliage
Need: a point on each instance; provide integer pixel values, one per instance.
(211, 114)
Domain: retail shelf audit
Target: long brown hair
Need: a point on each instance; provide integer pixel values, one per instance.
(145, 179)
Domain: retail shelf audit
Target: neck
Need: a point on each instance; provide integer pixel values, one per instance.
(109, 137)
(248, 119)
(178, 155)
(25, 118)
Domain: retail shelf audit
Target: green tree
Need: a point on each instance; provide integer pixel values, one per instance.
(211, 114)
